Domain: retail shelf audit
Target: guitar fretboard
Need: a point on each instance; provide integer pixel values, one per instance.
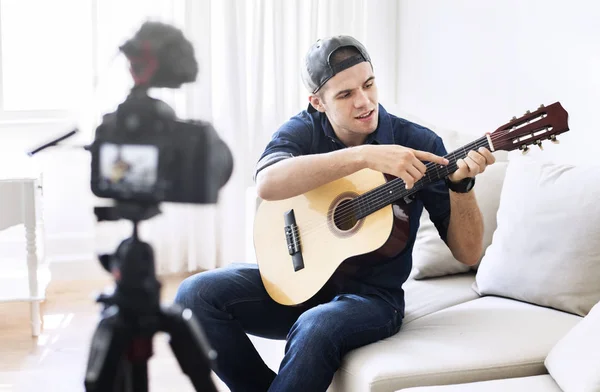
(379, 197)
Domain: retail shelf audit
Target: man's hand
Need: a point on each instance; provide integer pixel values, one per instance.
(474, 164)
(399, 161)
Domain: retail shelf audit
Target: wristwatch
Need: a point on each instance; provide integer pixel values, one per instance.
(463, 186)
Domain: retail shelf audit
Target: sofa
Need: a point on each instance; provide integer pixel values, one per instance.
(526, 317)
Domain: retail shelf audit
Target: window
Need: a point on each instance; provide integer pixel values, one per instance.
(46, 57)
(59, 60)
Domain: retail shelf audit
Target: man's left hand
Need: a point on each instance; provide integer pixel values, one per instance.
(473, 164)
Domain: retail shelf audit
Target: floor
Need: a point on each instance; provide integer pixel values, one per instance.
(56, 360)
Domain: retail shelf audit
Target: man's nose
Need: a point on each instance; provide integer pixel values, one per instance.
(361, 99)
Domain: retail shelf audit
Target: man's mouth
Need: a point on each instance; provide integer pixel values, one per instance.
(366, 115)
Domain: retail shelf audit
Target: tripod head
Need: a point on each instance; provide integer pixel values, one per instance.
(132, 264)
(122, 343)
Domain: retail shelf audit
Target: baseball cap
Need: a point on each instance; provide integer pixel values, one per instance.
(317, 69)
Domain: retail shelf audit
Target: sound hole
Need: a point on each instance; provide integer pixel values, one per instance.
(344, 217)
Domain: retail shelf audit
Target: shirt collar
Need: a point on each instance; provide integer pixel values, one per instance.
(384, 134)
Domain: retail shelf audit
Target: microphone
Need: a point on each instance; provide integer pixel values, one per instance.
(55, 142)
(160, 56)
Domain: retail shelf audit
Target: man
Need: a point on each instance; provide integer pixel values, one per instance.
(343, 130)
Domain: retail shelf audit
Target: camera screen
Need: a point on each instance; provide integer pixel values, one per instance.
(128, 167)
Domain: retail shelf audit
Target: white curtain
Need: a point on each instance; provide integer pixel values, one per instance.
(250, 52)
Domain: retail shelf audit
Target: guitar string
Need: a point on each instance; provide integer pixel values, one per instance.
(384, 190)
(382, 193)
(347, 213)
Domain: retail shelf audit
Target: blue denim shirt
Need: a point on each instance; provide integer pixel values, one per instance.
(311, 133)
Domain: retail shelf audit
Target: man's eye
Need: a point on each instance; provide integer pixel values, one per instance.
(369, 85)
(344, 96)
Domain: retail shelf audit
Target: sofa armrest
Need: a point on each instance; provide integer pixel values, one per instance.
(542, 383)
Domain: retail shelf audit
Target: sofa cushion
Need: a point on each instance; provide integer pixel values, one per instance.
(483, 339)
(546, 249)
(431, 256)
(422, 298)
(426, 296)
(543, 383)
(574, 362)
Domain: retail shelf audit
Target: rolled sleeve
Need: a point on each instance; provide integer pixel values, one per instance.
(436, 197)
(292, 139)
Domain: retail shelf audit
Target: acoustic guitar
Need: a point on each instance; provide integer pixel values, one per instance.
(301, 241)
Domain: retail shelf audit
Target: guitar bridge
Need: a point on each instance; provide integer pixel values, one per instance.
(292, 237)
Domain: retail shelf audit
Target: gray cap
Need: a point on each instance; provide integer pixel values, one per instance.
(317, 69)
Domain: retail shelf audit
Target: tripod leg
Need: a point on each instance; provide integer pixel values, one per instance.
(139, 376)
(138, 354)
(106, 352)
(190, 346)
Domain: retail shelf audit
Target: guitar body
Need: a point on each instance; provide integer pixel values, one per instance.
(326, 238)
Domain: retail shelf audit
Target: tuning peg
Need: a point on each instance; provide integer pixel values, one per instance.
(541, 106)
(554, 140)
(527, 112)
(539, 144)
(524, 149)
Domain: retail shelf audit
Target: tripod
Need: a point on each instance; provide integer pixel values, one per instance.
(122, 342)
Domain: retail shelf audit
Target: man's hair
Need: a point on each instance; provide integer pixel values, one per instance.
(342, 54)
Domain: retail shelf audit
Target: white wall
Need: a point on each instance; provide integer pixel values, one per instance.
(471, 65)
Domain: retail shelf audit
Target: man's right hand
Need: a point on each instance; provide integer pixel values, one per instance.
(399, 161)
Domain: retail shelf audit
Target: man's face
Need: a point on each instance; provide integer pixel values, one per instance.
(350, 101)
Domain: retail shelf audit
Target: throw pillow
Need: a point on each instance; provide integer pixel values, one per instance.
(574, 362)
(431, 256)
(546, 248)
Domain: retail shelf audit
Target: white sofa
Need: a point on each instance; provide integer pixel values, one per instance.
(522, 319)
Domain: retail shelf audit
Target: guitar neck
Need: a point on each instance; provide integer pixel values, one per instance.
(394, 190)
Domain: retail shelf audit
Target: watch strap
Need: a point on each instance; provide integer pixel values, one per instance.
(463, 186)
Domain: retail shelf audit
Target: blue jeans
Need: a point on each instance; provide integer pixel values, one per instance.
(232, 301)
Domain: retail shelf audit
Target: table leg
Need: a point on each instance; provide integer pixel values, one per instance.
(32, 258)
(36, 319)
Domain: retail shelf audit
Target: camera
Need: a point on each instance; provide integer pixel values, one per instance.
(142, 152)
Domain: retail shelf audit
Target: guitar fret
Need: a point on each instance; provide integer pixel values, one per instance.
(391, 191)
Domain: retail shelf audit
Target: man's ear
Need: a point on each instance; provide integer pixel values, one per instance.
(316, 102)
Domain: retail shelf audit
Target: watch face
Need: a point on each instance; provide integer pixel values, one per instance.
(469, 184)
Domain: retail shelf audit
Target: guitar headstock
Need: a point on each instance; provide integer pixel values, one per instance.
(531, 128)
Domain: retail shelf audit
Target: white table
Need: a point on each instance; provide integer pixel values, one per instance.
(20, 203)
